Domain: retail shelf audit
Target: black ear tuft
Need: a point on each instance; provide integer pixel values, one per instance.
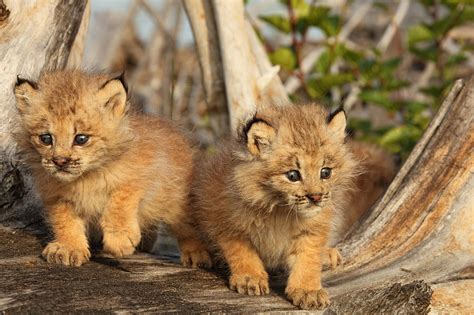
(121, 78)
(337, 111)
(243, 134)
(20, 81)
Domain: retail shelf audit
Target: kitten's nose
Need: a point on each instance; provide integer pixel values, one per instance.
(315, 197)
(61, 161)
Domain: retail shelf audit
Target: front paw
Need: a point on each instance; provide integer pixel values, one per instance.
(196, 259)
(331, 258)
(250, 284)
(194, 254)
(308, 299)
(60, 253)
(120, 243)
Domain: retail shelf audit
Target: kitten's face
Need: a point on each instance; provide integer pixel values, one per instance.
(301, 162)
(74, 126)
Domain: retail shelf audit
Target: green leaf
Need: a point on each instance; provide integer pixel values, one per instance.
(318, 87)
(419, 33)
(455, 60)
(301, 8)
(330, 25)
(401, 139)
(349, 55)
(323, 63)
(377, 97)
(284, 57)
(277, 21)
(427, 53)
(317, 14)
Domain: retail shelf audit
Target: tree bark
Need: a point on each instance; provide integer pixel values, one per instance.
(228, 53)
(34, 36)
(423, 228)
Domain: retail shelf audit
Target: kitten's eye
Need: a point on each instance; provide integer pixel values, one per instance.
(81, 139)
(293, 175)
(325, 172)
(46, 139)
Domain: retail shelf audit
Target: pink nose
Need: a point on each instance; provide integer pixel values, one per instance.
(61, 161)
(315, 197)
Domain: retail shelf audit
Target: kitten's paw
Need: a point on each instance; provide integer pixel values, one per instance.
(196, 259)
(60, 253)
(308, 299)
(331, 258)
(121, 243)
(250, 284)
(194, 254)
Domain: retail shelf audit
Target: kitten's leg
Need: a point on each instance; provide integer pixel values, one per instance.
(194, 252)
(248, 275)
(120, 222)
(70, 245)
(304, 287)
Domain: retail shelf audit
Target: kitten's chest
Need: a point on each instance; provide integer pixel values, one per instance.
(90, 198)
(272, 238)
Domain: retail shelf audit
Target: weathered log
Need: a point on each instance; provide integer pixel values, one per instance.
(146, 283)
(34, 36)
(423, 228)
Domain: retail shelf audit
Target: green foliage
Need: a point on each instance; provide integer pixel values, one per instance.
(381, 80)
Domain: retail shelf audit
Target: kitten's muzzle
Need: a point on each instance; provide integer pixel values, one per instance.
(315, 197)
(61, 162)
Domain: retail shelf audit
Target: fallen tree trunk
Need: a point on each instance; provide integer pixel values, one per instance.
(423, 228)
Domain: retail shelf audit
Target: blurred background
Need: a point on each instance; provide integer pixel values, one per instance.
(390, 63)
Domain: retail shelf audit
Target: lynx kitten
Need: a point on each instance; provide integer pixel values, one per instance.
(98, 167)
(269, 199)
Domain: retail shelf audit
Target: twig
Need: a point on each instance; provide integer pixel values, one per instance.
(382, 46)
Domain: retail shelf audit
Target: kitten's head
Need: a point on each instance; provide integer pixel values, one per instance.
(72, 122)
(295, 157)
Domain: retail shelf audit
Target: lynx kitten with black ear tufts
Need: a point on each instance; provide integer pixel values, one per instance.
(271, 197)
(98, 167)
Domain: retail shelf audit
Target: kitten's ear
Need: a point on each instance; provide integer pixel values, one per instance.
(113, 95)
(337, 123)
(25, 90)
(258, 135)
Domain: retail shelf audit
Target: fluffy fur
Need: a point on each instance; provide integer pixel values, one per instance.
(378, 169)
(258, 218)
(131, 173)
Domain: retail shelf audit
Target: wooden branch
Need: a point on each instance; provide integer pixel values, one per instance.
(394, 26)
(77, 50)
(201, 17)
(239, 65)
(269, 78)
(220, 22)
(423, 227)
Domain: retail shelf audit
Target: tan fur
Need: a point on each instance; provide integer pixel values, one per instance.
(377, 171)
(133, 172)
(257, 218)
